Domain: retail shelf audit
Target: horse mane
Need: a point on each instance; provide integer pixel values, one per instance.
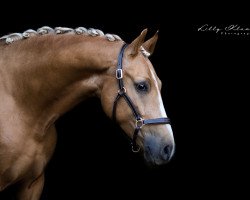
(10, 38)
(45, 30)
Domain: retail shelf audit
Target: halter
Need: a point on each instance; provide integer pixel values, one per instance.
(139, 121)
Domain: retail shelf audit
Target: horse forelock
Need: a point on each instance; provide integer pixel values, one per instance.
(45, 30)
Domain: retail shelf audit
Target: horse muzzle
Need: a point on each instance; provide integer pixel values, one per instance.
(158, 151)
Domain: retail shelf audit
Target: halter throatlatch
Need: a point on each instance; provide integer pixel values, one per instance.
(122, 92)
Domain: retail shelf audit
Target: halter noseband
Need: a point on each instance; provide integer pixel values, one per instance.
(140, 122)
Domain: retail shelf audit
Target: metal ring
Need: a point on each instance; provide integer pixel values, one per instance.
(122, 91)
(136, 150)
(139, 123)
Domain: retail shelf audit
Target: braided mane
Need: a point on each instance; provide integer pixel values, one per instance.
(45, 30)
(8, 39)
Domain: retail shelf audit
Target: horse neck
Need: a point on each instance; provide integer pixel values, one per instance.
(52, 74)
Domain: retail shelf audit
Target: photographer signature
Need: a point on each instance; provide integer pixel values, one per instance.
(232, 28)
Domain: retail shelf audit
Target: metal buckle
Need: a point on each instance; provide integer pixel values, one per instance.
(122, 91)
(119, 74)
(139, 123)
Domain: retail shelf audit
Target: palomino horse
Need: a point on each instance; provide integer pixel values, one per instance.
(45, 73)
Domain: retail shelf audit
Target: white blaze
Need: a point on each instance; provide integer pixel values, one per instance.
(161, 106)
(163, 113)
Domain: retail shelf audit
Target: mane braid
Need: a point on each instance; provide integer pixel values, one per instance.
(8, 39)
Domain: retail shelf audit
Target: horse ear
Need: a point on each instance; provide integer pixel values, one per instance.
(134, 47)
(149, 45)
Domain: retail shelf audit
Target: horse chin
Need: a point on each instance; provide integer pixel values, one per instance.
(152, 161)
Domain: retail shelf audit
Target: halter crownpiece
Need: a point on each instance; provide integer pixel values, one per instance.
(122, 92)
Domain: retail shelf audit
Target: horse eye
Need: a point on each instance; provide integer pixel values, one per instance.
(141, 87)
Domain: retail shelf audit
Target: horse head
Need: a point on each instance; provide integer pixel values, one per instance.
(140, 113)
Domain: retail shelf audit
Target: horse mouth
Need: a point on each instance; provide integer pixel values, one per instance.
(151, 159)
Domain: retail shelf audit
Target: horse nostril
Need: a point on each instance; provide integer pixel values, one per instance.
(167, 151)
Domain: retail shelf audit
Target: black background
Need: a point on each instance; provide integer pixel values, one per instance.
(205, 89)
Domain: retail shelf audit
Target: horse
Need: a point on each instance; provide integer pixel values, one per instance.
(45, 73)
